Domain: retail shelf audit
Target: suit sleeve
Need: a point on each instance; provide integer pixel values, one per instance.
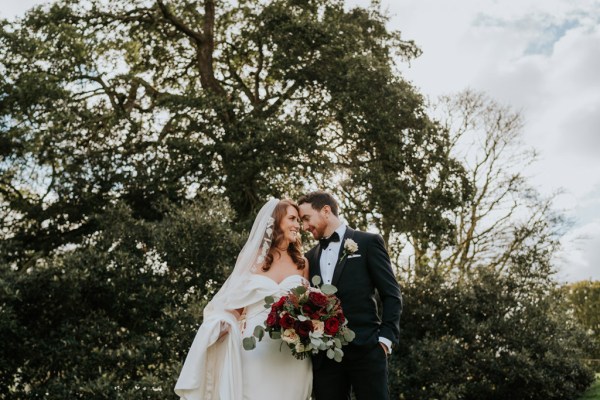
(380, 268)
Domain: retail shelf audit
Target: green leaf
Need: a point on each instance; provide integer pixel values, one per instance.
(328, 289)
(330, 354)
(275, 334)
(300, 290)
(249, 343)
(259, 332)
(316, 280)
(349, 335)
(269, 300)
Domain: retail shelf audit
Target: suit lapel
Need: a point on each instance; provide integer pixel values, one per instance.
(337, 272)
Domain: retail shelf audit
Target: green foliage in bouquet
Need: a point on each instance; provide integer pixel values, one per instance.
(308, 320)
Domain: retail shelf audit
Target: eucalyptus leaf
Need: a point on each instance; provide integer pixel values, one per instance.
(316, 280)
(330, 354)
(275, 334)
(269, 300)
(300, 290)
(249, 343)
(349, 335)
(259, 332)
(328, 289)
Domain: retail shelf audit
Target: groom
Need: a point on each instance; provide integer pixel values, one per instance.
(357, 271)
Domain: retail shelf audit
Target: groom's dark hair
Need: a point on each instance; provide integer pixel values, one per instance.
(318, 200)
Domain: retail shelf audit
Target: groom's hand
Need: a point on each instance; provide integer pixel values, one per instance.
(385, 348)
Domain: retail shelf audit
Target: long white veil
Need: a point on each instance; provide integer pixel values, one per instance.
(248, 261)
(212, 369)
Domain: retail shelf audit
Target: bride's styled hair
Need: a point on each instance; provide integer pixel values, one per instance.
(293, 249)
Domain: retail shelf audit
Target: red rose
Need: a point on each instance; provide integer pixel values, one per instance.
(286, 321)
(340, 317)
(272, 319)
(318, 299)
(332, 325)
(279, 303)
(303, 328)
(307, 309)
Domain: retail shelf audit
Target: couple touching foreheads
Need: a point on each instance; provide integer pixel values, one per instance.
(270, 264)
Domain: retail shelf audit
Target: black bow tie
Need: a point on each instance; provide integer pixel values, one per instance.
(325, 241)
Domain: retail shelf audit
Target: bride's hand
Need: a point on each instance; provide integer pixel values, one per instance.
(225, 327)
(224, 330)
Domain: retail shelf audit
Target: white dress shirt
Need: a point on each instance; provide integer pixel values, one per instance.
(329, 256)
(328, 262)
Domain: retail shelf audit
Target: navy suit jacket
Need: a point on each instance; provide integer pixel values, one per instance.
(356, 277)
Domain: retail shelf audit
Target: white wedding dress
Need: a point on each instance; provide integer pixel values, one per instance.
(270, 371)
(223, 370)
(217, 367)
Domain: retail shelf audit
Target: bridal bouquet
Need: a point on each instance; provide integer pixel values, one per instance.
(308, 320)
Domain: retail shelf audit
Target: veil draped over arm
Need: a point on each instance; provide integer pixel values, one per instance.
(213, 366)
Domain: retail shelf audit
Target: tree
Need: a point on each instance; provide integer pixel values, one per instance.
(502, 217)
(138, 138)
(147, 101)
(484, 317)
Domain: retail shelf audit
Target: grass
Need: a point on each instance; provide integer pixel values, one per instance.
(593, 393)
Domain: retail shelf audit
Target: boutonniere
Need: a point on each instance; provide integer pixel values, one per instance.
(350, 247)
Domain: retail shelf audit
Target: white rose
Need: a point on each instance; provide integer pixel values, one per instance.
(351, 246)
(318, 326)
(290, 336)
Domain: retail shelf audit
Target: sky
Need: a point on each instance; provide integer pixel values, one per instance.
(542, 58)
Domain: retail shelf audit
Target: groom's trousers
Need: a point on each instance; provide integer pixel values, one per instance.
(362, 370)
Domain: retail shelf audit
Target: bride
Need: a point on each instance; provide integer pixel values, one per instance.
(217, 367)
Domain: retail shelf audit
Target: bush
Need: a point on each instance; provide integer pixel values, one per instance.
(492, 336)
(584, 300)
(116, 316)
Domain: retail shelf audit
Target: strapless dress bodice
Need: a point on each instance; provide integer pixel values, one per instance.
(278, 290)
(270, 357)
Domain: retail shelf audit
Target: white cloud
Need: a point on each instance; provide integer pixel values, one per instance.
(541, 58)
(580, 254)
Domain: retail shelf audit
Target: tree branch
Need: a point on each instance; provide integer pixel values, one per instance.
(198, 37)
